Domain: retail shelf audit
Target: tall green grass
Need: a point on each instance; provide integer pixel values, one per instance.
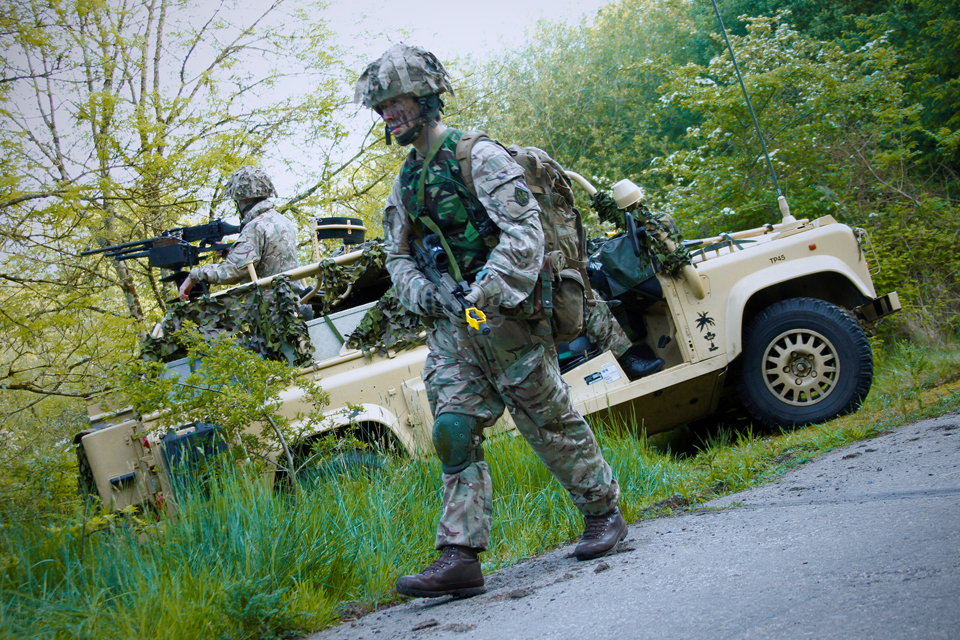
(244, 561)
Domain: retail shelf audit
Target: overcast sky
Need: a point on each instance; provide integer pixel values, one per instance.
(447, 29)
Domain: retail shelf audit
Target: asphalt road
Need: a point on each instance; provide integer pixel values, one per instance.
(863, 542)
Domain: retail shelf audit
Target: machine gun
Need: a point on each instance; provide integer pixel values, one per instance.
(434, 262)
(172, 249)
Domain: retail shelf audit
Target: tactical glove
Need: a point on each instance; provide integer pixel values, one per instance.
(484, 292)
(434, 305)
(476, 297)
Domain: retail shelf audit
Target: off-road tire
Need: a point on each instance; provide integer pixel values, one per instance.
(804, 361)
(369, 461)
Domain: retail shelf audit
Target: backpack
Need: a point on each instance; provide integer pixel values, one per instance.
(565, 241)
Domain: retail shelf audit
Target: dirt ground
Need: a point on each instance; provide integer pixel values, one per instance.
(862, 542)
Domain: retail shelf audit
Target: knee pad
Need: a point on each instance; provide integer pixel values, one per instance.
(457, 441)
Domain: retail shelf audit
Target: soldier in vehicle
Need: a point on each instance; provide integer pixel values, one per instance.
(268, 240)
(471, 377)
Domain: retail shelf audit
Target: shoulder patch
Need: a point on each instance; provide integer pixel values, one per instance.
(521, 195)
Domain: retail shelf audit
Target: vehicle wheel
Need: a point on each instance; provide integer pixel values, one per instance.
(378, 444)
(350, 463)
(804, 360)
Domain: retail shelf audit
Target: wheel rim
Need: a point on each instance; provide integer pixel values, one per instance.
(800, 367)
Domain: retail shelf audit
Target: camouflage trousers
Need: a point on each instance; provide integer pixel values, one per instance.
(514, 367)
(603, 329)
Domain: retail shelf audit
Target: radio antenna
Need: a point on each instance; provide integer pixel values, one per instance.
(781, 200)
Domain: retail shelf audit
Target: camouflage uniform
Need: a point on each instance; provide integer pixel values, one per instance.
(603, 329)
(267, 239)
(514, 367)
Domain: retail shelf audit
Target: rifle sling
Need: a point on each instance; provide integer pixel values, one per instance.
(421, 200)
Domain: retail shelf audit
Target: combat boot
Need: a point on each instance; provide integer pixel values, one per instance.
(636, 367)
(601, 534)
(455, 573)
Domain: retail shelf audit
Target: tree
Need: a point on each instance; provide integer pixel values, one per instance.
(829, 117)
(842, 130)
(589, 94)
(926, 34)
(826, 20)
(121, 120)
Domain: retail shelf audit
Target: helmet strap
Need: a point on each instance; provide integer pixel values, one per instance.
(430, 108)
(243, 211)
(408, 136)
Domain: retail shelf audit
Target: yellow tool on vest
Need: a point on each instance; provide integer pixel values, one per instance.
(478, 320)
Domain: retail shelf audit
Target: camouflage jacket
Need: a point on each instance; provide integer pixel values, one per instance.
(268, 240)
(513, 264)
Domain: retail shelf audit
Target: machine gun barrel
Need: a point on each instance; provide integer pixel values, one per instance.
(172, 250)
(119, 248)
(205, 233)
(208, 235)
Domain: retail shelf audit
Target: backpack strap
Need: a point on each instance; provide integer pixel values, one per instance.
(464, 155)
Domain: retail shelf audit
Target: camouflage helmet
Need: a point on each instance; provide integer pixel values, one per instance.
(402, 70)
(248, 183)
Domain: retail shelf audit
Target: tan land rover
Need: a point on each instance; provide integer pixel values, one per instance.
(777, 315)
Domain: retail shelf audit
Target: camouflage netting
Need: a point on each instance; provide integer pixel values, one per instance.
(606, 208)
(269, 325)
(388, 325)
(671, 262)
(365, 270)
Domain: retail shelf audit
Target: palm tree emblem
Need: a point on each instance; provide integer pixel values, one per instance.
(704, 321)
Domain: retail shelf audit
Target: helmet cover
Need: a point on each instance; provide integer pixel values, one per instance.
(248, 183)
(403, 69)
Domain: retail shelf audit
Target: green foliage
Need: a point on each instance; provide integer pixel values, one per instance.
(925, 32)
(821, 19)
(910, 370)
(39, 479)
(228, 386)
(916, 242)
(257, 608)
(586, 94)
(831, 119)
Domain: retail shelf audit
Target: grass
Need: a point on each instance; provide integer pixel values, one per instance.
(247, 562)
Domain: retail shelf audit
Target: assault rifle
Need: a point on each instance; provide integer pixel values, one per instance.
(434, 263)
(172, 249)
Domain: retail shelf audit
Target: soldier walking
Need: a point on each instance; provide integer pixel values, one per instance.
(494, 241)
